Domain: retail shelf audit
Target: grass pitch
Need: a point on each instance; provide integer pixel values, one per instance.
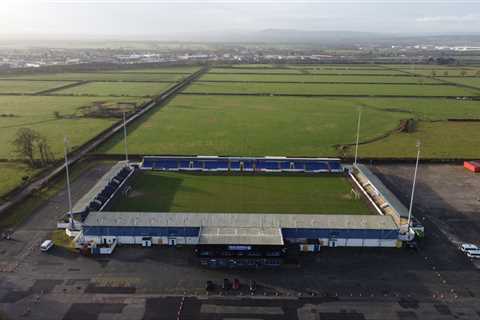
(156, 191)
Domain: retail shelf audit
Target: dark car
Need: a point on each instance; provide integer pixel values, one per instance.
(236, 284)
(210, 286)
(226, 284)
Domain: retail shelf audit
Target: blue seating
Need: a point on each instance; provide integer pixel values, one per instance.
(216, 165)
(166, 164)
(316, 166)
(284, 165)
(335, 166)
(268, 165)
(147, 163)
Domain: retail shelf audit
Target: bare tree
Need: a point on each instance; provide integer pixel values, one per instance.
(46, 154)
(24, 144)
(29, 143)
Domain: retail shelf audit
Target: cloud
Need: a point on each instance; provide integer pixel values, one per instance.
(449, 19)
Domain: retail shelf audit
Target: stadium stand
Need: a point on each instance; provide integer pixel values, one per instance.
(265, 164)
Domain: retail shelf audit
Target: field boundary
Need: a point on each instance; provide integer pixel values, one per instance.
(323, 95)
(326, 82)
(70, 85)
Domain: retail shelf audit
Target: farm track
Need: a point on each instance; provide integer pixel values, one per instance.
(82, 151)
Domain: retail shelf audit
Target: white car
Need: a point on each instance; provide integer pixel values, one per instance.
(473, 254)
(467, 247)
(46, 245)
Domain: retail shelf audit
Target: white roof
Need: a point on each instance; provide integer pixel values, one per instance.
(247, 236)
(239, 220)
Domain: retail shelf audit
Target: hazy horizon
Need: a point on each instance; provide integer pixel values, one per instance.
(166, 20)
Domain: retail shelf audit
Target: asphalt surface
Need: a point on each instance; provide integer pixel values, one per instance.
(437, 282)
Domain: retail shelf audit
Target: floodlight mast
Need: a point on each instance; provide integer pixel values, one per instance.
(69, 195)
(413, 186)
(125, 137)
(358, 135)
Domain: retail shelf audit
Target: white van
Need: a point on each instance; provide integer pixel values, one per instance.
(46, 245)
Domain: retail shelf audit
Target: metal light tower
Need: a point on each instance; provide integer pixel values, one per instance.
(125, 137)
(358, 135)
(413, 187)
(69, 195)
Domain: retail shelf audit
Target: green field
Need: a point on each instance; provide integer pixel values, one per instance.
(101, 76)
(229, 125)
(439, 140)
(154, 191)
(316, 78)
(21, 86)
(330, 89)
(293, 126)
(186, 70)
(469, 81)
(37, 112)
(320, 70)
(12, 174)
(127, 89)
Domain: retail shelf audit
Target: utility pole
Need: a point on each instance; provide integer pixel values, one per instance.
(358, 135)
(413, 187)
(125, 137)
(69, 195)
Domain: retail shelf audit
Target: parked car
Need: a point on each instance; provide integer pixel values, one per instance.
(226, 284)
(46, 245)
(236, 284)
(210, 286)
(473, 254)
(466, 247)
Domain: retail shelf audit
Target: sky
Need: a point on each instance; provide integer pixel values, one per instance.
(158, 19)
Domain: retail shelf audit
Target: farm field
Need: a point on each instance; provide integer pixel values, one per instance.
(186, 70)
(232, 125)
(307, 71)
(447, 72)
(130, 89)
(439, 140)
(38, 113)
(101, 76)
(291, 126)
(155, 191)
(330, 89)
(469, 81)
(20, 86)
(316, 78)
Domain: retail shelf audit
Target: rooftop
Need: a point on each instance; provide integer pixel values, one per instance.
(238, 220)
